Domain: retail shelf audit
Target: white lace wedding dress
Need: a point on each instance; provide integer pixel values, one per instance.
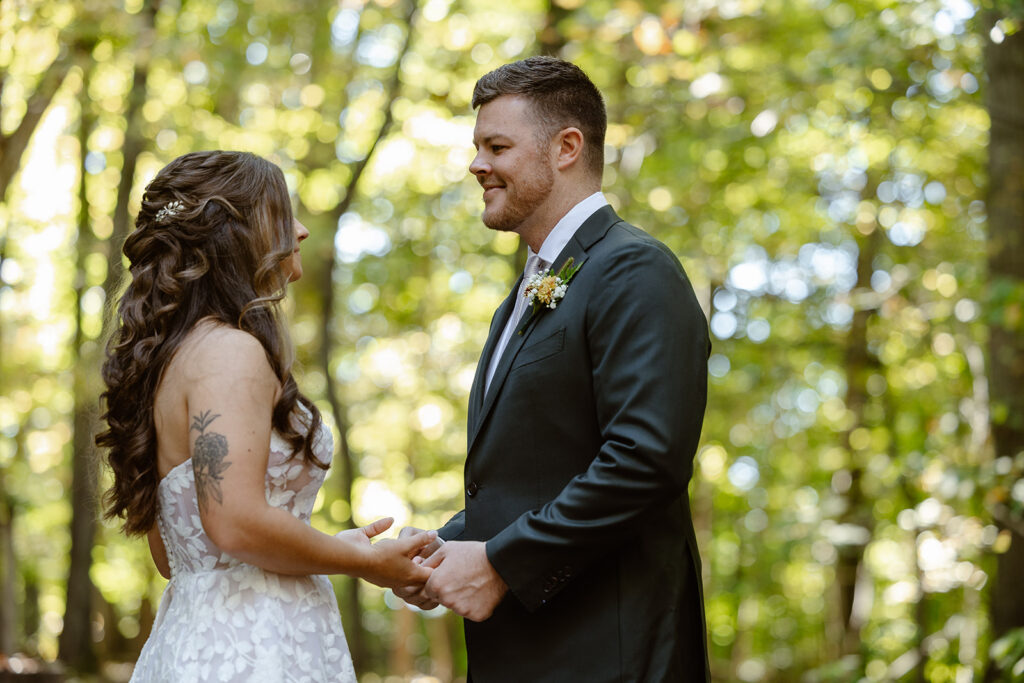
(222, 620)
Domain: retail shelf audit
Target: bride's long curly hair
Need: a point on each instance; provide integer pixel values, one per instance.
(209, 242)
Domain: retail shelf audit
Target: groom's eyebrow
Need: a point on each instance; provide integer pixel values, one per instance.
(487, 139)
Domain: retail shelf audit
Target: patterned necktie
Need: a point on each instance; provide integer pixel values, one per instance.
(534, 265)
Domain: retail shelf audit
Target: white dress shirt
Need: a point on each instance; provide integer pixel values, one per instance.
(549, 251)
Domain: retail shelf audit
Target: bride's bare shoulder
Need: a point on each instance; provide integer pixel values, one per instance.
(213, 349)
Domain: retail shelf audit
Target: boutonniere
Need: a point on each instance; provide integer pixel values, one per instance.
(545, 290)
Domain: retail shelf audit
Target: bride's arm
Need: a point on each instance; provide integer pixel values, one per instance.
(230, 402)
(159, 552)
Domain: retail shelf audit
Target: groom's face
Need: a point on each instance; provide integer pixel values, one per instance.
(512, 162)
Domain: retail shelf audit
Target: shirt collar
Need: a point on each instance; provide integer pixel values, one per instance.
(567, 227)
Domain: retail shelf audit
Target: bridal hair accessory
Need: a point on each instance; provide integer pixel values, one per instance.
(169, 212)
(545, 290)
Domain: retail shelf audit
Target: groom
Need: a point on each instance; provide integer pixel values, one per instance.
(575, 557)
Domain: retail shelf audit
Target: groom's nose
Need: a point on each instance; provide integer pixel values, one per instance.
(478, 167)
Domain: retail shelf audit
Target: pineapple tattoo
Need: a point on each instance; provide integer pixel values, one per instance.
(208, 459)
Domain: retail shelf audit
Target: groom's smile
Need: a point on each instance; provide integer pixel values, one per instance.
(491, 192)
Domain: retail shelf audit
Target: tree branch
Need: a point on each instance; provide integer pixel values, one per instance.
(13, 146)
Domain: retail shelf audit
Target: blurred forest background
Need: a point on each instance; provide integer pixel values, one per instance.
(842, 181)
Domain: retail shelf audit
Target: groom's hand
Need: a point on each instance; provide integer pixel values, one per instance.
(464, 581)
(414, 594)
(427, 550)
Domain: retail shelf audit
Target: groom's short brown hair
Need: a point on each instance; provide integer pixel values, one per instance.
(561, 95)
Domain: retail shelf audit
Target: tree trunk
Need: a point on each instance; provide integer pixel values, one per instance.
(322, 156)
(921, 604)
(352, 613)
(30, 612)
(1004, 63)
(134, 144)
(76, 646)
(859, 365)
(402, 662)
(439, 637)
(550, 39)
(8, 567)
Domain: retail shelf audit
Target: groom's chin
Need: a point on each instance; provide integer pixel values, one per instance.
(498, 219)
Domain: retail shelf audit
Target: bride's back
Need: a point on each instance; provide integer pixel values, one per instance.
(201, 352)
(212, 350)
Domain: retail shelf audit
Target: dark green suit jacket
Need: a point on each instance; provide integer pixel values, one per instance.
(577, 470)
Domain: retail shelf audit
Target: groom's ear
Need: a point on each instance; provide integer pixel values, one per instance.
(570, 147)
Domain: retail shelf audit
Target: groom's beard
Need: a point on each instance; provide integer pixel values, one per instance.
(519, 199)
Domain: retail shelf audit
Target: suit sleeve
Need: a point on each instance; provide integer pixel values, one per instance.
(648, 342)
(454, 527)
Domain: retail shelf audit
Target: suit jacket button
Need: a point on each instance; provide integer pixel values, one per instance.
(472, 489)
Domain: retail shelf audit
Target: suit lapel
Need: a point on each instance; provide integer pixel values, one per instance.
(593, 229)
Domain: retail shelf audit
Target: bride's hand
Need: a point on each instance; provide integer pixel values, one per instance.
(389, 563)
(414, 594)
(361, 536)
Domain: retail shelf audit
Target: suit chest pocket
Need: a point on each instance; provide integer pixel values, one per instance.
(545, 348)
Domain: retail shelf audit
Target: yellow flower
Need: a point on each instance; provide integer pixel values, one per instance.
(545, 289)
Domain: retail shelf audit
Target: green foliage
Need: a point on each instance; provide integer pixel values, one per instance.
(817, 166)
(1008, 655)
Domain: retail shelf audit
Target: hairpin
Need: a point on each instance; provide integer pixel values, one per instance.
(169, 212)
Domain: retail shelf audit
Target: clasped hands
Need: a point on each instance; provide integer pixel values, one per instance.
(462, 578)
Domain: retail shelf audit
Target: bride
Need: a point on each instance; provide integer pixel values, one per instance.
(216, 454)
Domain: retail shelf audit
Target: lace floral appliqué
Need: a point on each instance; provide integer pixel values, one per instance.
(226, 621)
